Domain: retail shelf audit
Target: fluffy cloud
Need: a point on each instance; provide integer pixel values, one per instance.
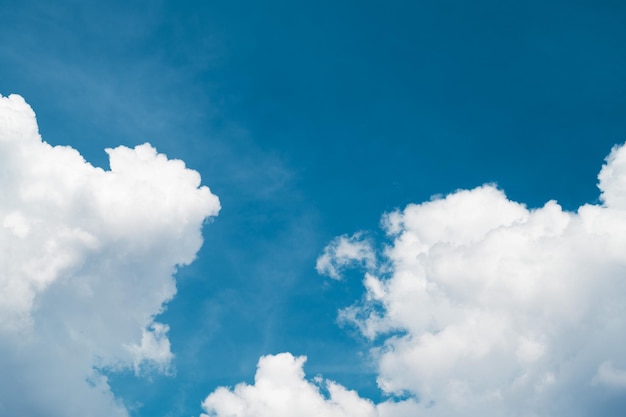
(484, 307)
(476, 306)
(281, 390)
(88, 262)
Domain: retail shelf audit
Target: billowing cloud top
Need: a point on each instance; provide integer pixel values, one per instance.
(478, 306)
(503, 311)
(281, 390)
(88, 261)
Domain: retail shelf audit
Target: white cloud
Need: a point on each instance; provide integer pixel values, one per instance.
(154, 350)
(281, 390)
(88, 262)
(477, 306)
(345, 251)
(485, 307)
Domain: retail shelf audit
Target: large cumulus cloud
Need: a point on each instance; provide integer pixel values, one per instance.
(478, 305)
(88, 262)
(489, 308)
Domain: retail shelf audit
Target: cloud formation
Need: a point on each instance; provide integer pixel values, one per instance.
(477, 305)
(88, 262)
(484, 307)
(281, 390)
(345, 252)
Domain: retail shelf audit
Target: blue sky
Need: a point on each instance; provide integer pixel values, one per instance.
(310, 121)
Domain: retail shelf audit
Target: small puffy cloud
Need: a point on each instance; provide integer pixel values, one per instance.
(88, 262)
(485, 307)
(280, 389)
(345, 251)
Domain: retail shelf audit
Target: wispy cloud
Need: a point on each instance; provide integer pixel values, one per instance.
(345, 252)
